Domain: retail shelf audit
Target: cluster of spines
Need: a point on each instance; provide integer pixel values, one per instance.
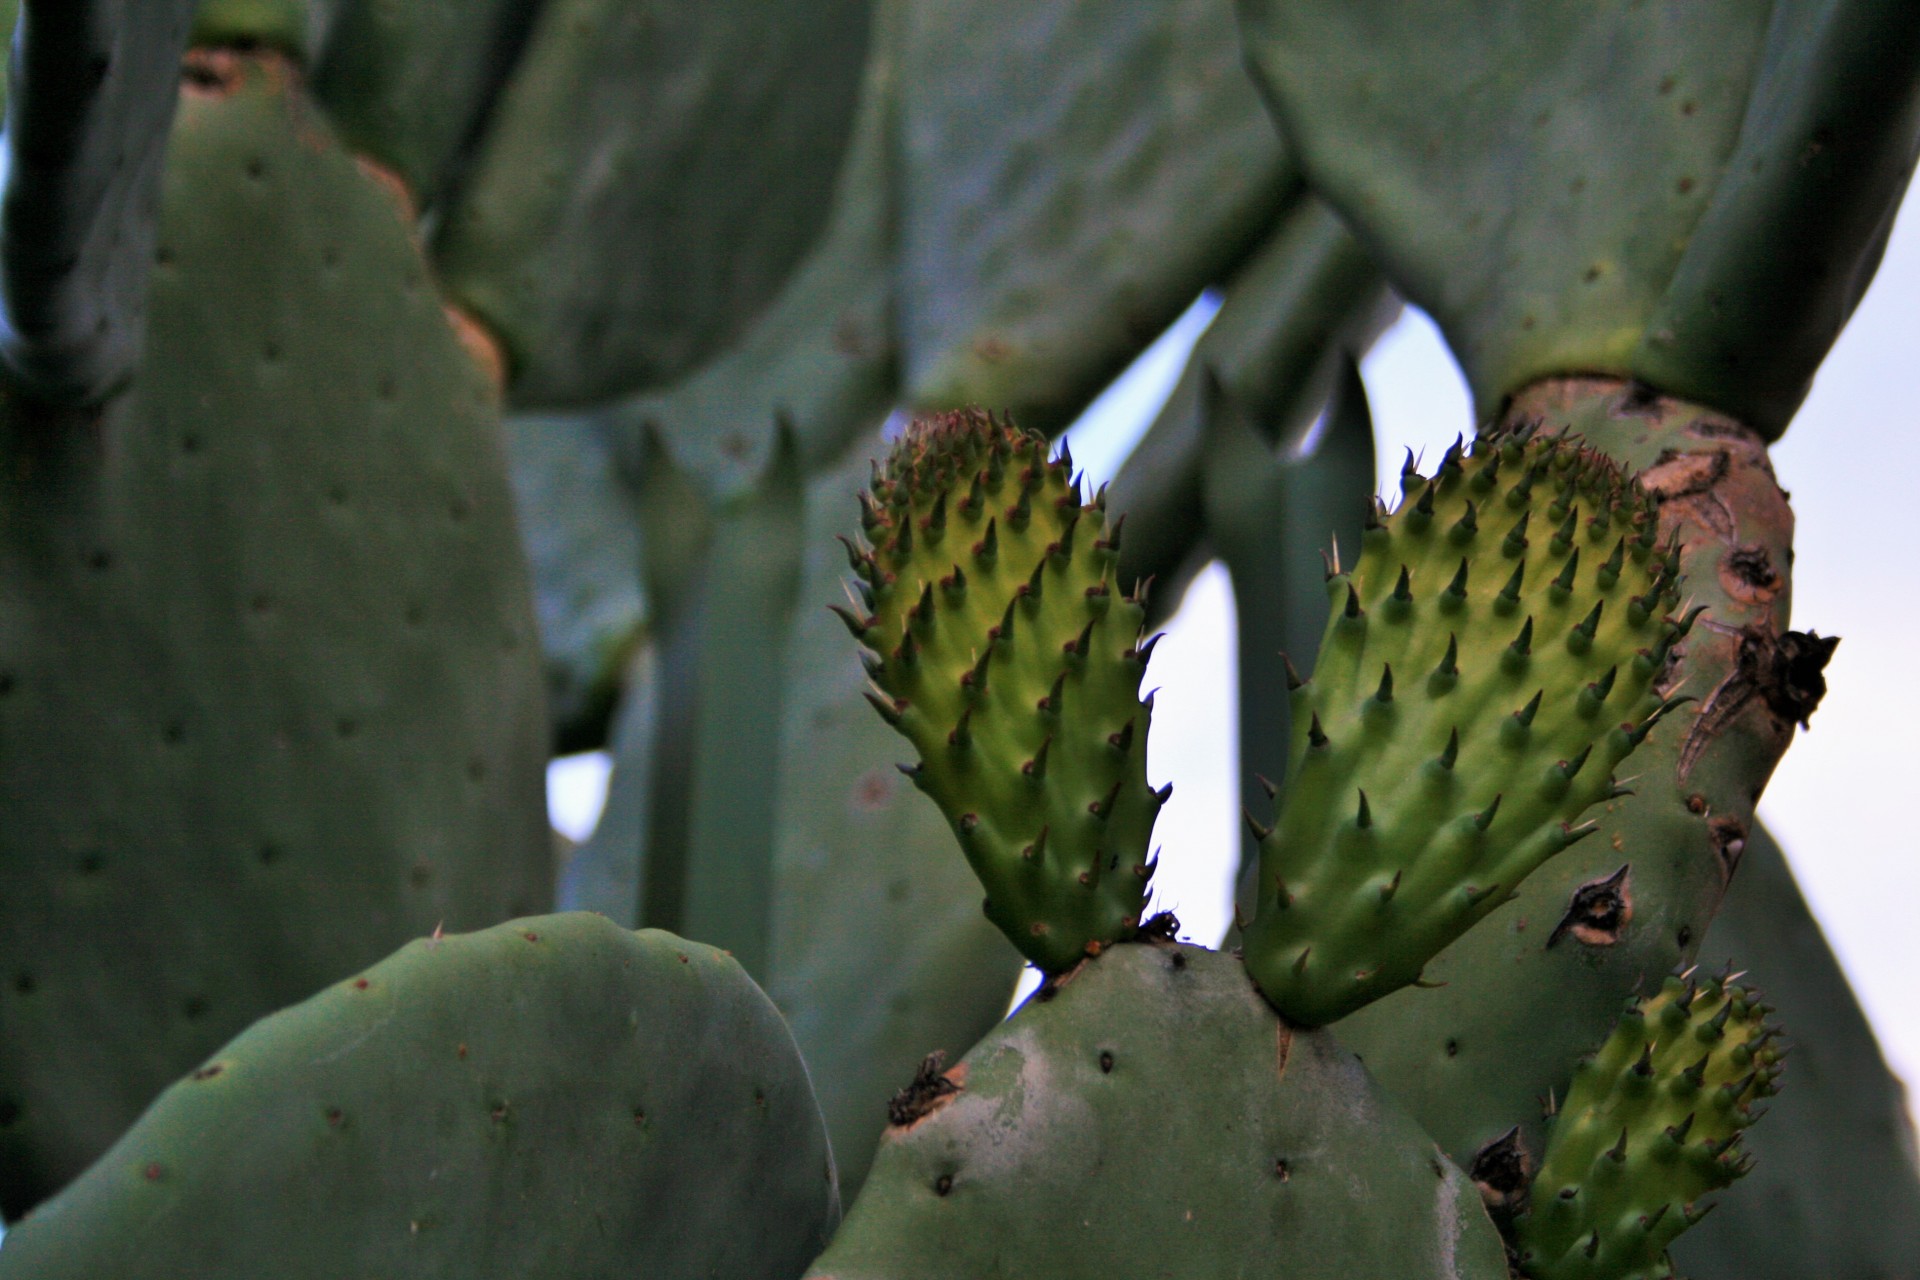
(1651, 1123)
(1000, 647)
(1495, 652)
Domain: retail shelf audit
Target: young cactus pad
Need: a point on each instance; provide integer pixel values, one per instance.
(1496, 651)
(1651, 1123)
(1002, 650)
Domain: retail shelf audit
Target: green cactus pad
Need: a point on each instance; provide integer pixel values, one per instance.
(1155, 1118)
(1004, 653)
(647, 179)
(1492, 655)
(270, 697)
(552, 1096)
(1651, 1123)
(1073, 174)
(1691, 195)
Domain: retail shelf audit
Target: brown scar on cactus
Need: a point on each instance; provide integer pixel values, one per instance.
(932, 1087)
(1599, 911)
(1785, 672)
(1503, 1170)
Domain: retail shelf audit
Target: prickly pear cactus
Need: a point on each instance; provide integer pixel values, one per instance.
(551, 1096)
(270, 695)
(1004, 651)
(1492, 656)
(1152, 1116)
(1651, 1123)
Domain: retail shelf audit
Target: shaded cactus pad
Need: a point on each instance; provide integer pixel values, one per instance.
(1155, 1118)
(1651, 1123)
(1003, 651)
(1496, 650)
(552, 1096)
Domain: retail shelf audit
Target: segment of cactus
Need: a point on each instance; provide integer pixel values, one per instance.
(1543, 982)
(1651, 1123)
(1002, 650)
(1492, 655)
(1155, 1118)
(551, 1096)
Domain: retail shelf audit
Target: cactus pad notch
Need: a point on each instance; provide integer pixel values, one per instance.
(1002, 650)
(1494, 653)
(1652, 1122)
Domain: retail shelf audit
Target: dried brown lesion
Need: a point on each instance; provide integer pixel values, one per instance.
(1720, 502)
(1598, 911)
(933, 1086)
(1502, 1170)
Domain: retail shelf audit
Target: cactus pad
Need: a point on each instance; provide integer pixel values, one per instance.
(1651, 1123)
(1002, 650)
(552, 1096)
(271, 702)
(1493, 654)
(1155, 1118)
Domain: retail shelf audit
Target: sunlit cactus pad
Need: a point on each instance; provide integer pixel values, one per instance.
(1002, 648)
(1497, 649)
(1651, 1123)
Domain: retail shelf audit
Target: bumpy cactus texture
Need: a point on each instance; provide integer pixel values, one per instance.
(1003, 650)
(1490, 659)
(1650, 1125)
(1155, 1117)
(270, 696)
(551, 1096)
